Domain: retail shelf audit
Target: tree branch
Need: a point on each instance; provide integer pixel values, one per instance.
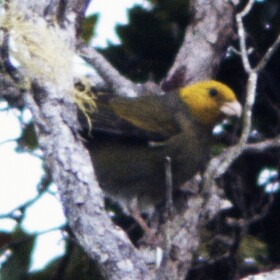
(116, 81)
(219, 165)
(271, 275)
(242, 35)
(82, 199)
(270, 52)
(263, 146)
(206, 40)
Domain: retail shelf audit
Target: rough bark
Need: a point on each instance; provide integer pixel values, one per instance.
(205, 41)
(271, 275)
(55, 119)
(82, 199)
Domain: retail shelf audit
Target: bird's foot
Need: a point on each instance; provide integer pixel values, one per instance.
(150, 237)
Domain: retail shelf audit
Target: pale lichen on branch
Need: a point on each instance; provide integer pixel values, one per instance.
(35, 45)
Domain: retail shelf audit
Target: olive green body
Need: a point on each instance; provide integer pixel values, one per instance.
(132, 164)
(127, 169)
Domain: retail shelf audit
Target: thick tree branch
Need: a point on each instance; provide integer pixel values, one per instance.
(271, 275)
(82, 199)
(186, 230)
(55, 119)
(66, 8)
(206, 40)
(119, 84)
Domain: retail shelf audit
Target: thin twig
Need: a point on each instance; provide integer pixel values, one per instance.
(169, 183)
(8, 141)
(167, 213)
(249, 103)
(220, 164)
(247, 9)
(29, 237)
(242, 35)
(270, 52)
(11, 214)
(263, 146)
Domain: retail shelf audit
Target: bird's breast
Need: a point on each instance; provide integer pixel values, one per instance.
(126, 168)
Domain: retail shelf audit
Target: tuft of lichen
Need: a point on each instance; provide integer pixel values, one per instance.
(43, 52)
(38, 47)
(85, 100)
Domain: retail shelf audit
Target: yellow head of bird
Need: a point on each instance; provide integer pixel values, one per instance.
(207, 101)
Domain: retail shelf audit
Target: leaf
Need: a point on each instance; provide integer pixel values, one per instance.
(17, 265)
(88, 26)
(28, 139)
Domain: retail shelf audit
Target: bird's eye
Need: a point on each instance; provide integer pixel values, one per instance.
(213, 92)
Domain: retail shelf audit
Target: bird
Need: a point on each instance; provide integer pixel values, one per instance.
(131, 137)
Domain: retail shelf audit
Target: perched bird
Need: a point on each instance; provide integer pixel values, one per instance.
(131, 138)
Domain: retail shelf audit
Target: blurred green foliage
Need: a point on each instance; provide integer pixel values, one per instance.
(150, 41)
